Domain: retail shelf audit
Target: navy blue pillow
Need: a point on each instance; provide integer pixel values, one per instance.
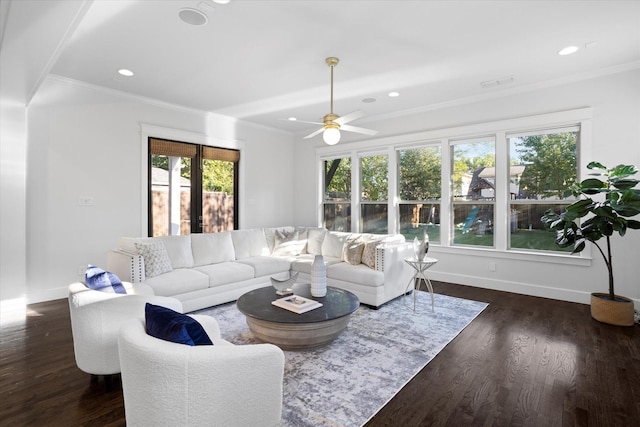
(97, 279)
(169, 325)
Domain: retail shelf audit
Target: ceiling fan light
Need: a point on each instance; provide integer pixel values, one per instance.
(331, 136)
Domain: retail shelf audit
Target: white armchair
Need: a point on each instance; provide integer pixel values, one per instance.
(96, 318)
(168, 384)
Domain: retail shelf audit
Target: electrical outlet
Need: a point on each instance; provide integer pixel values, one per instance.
(86, 201)
(492, 266)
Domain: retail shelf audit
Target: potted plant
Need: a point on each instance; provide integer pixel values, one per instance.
(605, 217)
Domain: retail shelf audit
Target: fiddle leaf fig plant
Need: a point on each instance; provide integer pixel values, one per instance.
(610, 214)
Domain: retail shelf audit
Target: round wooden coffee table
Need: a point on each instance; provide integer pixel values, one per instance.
(292, 331)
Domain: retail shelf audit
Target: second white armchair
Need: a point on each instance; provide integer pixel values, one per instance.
(169, 384)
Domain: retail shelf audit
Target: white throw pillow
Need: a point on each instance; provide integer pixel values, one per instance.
(156, 258)
(179, 250)
(288, 243)
(353, 249)
(315, 238)
(369, 252)
(333, 243)
(270, 234)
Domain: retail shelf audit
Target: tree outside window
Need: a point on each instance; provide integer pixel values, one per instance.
(419, 188)
(374, 184)
(543, 166)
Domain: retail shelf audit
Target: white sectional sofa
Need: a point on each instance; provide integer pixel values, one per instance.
(203, 270)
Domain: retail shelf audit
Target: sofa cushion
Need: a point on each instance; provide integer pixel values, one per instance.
(104, 281)
(178, 281)
(248, 243)
(226, 272)
(369, 251)
(287, 244)
(266, 265)
(333, 243)
(270, 235)
(179, 250)
(166, 324)
(360, 274)
(156, 258)
(353, 248)
(315, 238)
(212, 248)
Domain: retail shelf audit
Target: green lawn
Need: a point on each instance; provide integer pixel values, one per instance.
(522, 239)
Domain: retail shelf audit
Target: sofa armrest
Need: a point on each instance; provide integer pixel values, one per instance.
(126, 265)
(389, 254)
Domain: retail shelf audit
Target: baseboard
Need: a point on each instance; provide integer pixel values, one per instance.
(582, 297)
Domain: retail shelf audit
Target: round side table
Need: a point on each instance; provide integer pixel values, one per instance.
(419, 276)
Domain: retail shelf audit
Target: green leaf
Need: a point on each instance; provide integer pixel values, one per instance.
(596, 165)
(623, 171)
(624, 184)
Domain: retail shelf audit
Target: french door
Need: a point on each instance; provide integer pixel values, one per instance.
(192, 188)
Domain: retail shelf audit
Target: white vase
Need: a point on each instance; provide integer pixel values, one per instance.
(318, 277)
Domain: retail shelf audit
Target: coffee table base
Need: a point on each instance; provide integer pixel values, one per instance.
(297, 336)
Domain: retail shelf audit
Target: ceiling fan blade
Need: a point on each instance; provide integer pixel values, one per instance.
(356, 129)
(311, 135)
(303, 121)
(349, 117)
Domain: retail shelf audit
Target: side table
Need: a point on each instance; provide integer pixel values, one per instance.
(419, 276)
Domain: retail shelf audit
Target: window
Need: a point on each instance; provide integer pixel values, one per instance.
(419, 188)
(192, 188)
(474, 191)
(543, 165)
(374, 188)
(337, 194)
(482, 186)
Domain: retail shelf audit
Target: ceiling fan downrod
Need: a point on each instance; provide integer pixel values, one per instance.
(331, 62)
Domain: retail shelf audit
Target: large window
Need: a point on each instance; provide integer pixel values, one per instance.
(374, 190)
(192, 188)
(543, 165)
(419, 188)
(337, 194)
(474, 191)
(481, 187)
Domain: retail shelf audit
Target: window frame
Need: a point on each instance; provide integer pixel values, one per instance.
(576, 117)
(437, 202)
(159, 132)
(360, 200)
(324, 201)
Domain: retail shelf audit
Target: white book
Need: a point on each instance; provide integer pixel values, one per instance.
(297, 304)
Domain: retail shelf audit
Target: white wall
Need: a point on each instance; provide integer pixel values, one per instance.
(86, 142)
(27, 52)
(615, 100)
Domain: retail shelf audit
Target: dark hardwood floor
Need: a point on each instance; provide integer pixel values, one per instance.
(523, 361)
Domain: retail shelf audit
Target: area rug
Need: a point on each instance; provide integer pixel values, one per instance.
(345, 383)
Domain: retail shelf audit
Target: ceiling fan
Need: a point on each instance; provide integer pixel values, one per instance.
(333, 123)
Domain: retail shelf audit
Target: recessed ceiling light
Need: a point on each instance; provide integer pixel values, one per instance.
(568, 50)
(192, 16)
(292, 119)
(393, 94)
(221, 1)
(369, 100)
(125, 72)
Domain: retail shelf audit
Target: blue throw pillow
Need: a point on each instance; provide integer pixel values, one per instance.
(169, 325)
(100, 280)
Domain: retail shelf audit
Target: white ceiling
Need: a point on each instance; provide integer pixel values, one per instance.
(263, 61)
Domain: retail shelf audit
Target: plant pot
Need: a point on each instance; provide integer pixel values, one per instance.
(618, 312)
